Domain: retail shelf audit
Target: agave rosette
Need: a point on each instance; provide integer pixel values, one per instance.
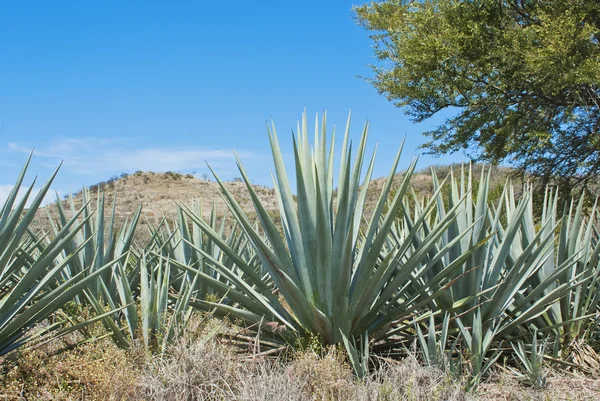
(333, 272)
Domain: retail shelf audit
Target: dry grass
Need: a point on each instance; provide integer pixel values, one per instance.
(97, 371)
(561, 385)
(211, 371)
(196, 371)
(207, 369)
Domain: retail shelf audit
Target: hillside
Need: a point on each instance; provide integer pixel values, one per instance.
(158, 193)
(422, 181)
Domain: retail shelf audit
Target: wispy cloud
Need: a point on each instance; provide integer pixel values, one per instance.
(92, 156)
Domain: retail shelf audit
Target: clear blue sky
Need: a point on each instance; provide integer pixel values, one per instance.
(120, 86)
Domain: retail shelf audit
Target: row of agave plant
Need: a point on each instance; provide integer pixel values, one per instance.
(467, 280)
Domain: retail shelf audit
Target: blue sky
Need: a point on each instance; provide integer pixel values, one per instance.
(112, 87)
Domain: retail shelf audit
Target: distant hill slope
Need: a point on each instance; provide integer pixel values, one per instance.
(422, 180)
(158, 193)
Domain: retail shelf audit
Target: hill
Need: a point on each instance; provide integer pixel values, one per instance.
(158, 193)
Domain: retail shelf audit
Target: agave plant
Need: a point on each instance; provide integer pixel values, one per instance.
(100, 244)
(574, 316)
(523, 277)
(532, 362)
(156, 284)
(439, 350)
(153, 313)
(332, 274)
(139, 282)
(510, 261)
(160, 328)
(513, 274)
(169, 271)
(32, 282)
(479, 344)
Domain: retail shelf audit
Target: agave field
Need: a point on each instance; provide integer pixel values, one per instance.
(468, 282)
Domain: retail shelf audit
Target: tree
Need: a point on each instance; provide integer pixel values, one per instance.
(520, 79)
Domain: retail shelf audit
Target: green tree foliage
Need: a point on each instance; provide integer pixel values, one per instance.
(520, 78)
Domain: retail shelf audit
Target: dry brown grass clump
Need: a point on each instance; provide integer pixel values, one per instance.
(409, 380)
(213, 371)
(192, 371)
(95, 371)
